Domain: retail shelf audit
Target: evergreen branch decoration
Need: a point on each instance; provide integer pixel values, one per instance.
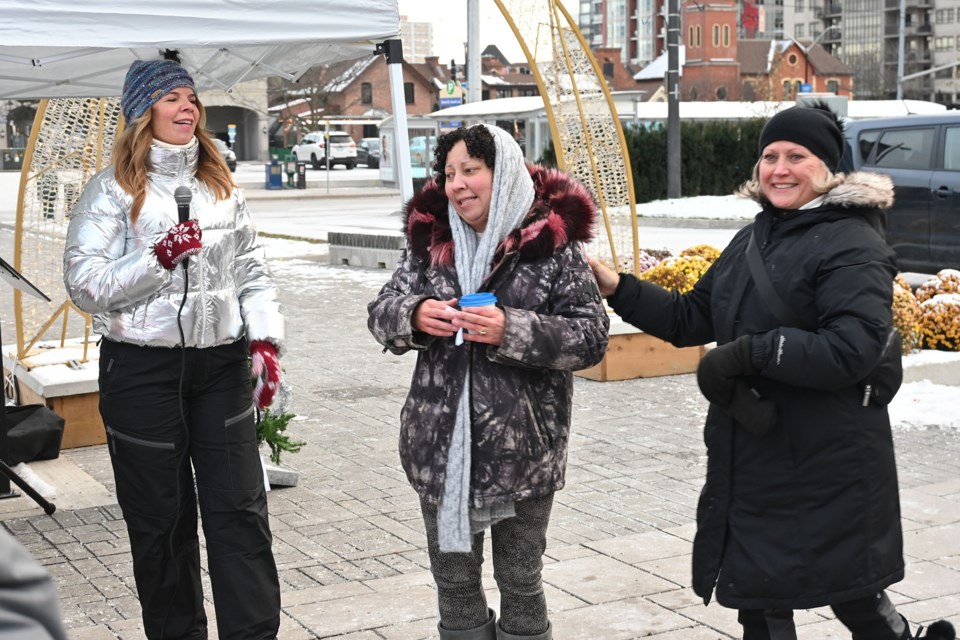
(271, 429)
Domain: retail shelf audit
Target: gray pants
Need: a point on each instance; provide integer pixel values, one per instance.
(518, 546)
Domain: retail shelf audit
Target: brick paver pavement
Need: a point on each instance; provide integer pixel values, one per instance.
(349, 540)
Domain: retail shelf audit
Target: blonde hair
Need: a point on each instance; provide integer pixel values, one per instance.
(131, 160)
(751, 188)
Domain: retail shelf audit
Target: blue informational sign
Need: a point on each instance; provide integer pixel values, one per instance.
(806, 87)
(450, 102)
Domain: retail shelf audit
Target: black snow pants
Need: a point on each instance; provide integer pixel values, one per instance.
(153, 441)
(869, 618)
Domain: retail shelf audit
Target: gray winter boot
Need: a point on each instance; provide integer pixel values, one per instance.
(546, 635)
(486, 631)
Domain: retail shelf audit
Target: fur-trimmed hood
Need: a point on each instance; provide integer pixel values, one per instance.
(563, 211)
(862, 189)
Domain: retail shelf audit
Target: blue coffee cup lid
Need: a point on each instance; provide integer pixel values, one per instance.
(478, 300)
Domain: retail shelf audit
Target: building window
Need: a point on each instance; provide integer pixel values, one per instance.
(833, 87)
(943, 43)
(690, 39)
(796, 87)
(726, 35)
(722, 93)
(366, 93)
(408, 93)
(798, 6)
(716, 35)
(799, 31)
(792, 59)
(786, 89)
(699, 36)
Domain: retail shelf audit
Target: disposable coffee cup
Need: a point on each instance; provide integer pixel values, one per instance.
(474, 300)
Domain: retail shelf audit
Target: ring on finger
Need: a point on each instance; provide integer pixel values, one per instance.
(483, 332)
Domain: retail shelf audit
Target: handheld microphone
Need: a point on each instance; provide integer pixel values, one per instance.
(183, 196)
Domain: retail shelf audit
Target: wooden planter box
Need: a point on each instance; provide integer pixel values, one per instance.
(72, 392)
(635, 354)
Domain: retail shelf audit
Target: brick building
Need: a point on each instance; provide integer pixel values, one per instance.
(361, 89)
(716, 65)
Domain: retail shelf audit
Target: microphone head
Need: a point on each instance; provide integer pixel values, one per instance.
(182, 195)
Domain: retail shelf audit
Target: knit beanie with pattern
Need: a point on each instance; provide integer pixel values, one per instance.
(149, 80)
(816, 128)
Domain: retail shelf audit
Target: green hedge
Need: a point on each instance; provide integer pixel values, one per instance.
(715, 157)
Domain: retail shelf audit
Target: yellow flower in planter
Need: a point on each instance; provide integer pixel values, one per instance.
(679, 274)
(906, 314)
(705, 251)
(940, 322)
(946, 281)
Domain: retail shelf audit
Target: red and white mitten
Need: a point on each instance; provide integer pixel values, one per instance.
(265, 367)
(181, 241)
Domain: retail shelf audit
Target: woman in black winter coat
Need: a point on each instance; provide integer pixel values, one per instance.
(484, 430)
(800, 507)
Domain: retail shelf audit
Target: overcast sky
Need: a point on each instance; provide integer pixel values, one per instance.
(450, 27)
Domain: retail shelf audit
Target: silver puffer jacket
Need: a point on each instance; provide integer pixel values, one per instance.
(111, 271)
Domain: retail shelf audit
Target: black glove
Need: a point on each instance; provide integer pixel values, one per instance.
(755, 416)
(720, 368)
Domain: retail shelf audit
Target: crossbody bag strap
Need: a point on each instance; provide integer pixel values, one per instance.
(761, 279)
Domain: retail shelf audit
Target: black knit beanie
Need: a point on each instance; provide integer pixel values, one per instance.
(817, 128)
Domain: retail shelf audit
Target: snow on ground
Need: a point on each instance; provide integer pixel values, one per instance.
(714, 207)
(925, 404)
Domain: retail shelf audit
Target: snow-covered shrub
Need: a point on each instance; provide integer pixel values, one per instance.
(946, 281)
(940, 322)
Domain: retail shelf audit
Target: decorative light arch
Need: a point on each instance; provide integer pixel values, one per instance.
(587, 135)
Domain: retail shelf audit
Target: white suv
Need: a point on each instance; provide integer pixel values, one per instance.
(343, 150)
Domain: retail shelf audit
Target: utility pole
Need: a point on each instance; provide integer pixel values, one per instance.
(673, 99)
(474, 81)
(900, 46)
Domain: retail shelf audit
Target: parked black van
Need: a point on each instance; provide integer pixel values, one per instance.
(921, 154)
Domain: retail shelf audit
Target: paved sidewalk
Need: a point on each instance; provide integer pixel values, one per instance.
(349, 540)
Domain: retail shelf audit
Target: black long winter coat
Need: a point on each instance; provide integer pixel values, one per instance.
(521, 391)
(807, 515)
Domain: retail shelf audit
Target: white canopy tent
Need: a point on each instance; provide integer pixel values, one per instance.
(82, 48)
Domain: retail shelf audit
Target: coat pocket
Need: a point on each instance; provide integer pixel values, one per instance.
(539, 431)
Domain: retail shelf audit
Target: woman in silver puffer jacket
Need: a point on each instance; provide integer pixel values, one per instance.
(181, 308)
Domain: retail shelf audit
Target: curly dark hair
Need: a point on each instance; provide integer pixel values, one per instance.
(479, 143)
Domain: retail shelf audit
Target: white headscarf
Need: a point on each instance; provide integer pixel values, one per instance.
(510, 201)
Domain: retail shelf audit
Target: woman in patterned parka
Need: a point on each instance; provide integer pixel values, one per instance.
(485, 427)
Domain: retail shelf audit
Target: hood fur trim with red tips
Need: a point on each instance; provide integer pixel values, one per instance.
(563, 211)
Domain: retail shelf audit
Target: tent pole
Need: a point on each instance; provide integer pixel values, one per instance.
(394, 52)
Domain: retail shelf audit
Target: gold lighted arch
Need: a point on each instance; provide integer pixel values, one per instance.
(586, 131)
(72, 139)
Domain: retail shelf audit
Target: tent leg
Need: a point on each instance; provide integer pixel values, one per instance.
(394, 53)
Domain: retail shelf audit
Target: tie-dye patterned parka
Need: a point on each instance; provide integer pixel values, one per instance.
(522, 390)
